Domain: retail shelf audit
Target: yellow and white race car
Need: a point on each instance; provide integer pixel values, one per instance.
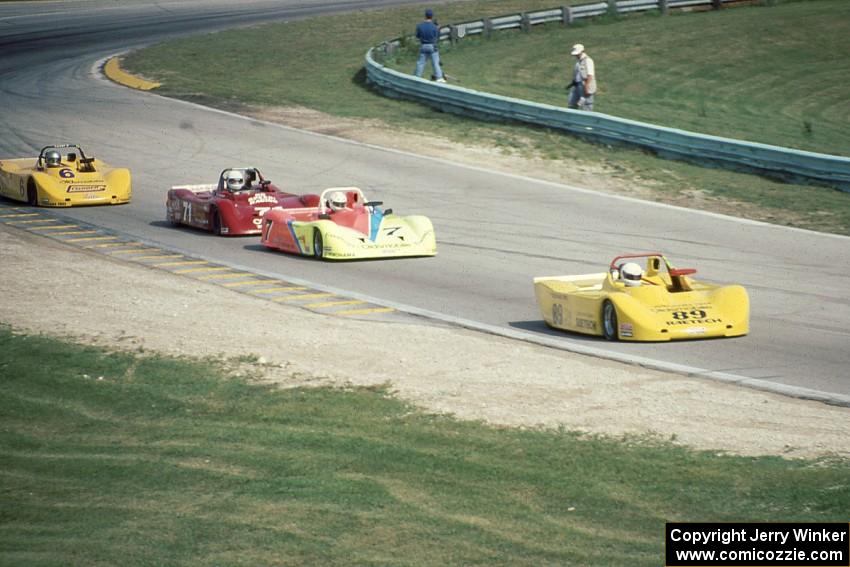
(340, 224)
(62, 178)
(630, 303)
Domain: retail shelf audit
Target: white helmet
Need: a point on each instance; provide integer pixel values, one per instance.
(52, 158)
(337, 201)
(235, 180)
(631, 274)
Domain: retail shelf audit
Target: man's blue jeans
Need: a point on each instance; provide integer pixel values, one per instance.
(578, 93)
(425, 51)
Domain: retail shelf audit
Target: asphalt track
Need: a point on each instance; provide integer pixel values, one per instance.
(495, 231)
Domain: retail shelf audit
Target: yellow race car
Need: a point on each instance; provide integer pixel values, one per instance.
(630, 303)
(340, 224)
(62, 178)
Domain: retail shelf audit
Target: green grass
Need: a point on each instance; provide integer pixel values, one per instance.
(776, 75)
(318, 63)
(115, 458)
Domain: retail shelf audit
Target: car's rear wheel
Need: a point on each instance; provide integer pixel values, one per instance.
(216, 222)
(318, 244)
(610, 329)
(32, 193)
(169, 216)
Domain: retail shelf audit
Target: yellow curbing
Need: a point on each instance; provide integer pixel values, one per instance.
(141, 254)
(112, 69)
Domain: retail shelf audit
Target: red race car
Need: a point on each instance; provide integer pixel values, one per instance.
(235, 206)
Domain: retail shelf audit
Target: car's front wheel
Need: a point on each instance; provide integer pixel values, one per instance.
(318, 244)
(610, 329)
(32, 194)
(216, 222)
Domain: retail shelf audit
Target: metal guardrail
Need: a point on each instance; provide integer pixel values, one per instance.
(773, 161)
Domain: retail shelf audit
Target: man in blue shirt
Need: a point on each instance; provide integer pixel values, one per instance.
(428, 34)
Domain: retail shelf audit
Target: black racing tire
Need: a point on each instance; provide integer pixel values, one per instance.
(610, 328)
(169, 217)
(215, 222)
(318, 244)
(32, 193)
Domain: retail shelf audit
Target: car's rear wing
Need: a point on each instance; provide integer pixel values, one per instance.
(599, 276)
(584, 282)
(196, 188)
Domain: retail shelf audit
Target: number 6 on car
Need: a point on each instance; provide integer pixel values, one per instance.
(631, 303)
(63, 176)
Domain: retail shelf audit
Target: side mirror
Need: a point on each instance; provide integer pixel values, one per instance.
(388, 212)
(324, 216)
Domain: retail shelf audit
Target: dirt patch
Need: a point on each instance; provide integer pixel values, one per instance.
(99, 300)
(570, 172)
(488, 157)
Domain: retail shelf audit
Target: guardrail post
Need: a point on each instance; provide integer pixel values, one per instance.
(662, 5)
(524, 22)
(716, 4)
(488, 28)
(612, 7)
(453, 35)
(566, 15)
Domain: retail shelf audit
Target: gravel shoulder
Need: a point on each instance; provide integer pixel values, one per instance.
(61, 291)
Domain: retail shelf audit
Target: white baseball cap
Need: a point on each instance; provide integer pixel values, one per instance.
(577, 48)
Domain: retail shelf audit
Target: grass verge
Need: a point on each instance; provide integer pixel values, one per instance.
(113, 457)
(782, 80)
(318, 63)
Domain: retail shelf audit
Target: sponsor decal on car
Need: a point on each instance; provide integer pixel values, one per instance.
(585, 323)
(692, 317)
(687, 308)
(386, 245)
(694, 322)
(626, 330)
(86, 188)
(262, 198)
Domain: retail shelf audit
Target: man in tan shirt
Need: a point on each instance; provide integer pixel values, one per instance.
(584, 80)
